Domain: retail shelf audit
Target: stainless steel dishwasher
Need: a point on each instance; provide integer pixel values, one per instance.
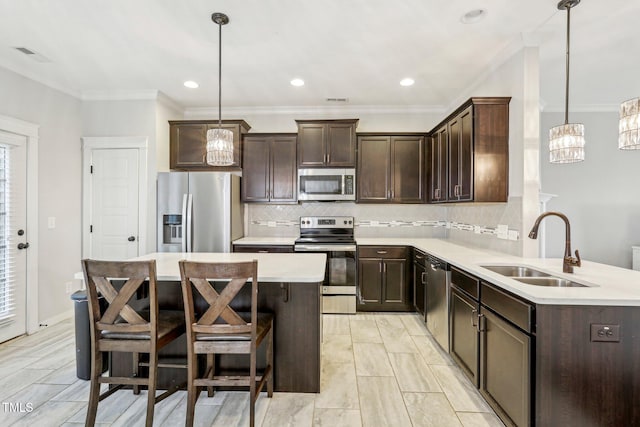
(437, 307)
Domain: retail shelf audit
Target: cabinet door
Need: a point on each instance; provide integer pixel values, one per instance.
(463, 318)
(505, 368)
(453, 162)
(395, 286)
(255, 176)
(283, 170)
(407, 169)
(419, 288)
(341, 145)
(438, 161)
(188, 146)
(465, 181)
(370, 281)
(373, 169)
(311, 144)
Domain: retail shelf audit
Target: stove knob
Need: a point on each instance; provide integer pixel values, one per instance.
(345, 221)
(349, 222)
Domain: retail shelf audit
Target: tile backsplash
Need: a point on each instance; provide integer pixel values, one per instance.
(472, 224)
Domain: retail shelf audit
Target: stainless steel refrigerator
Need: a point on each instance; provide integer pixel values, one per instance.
(198, 211)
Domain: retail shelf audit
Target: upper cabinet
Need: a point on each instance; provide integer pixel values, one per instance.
(188, 143)
(390, 168)
(327, 143)
(475, 139)
(269, 168)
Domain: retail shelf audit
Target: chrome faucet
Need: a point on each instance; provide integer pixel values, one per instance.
(568, 261)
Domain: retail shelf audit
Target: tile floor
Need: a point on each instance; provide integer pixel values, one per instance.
(377, 370)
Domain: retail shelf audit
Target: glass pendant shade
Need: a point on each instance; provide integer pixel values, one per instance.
(629, 138)
(219, 147)
(566, 143)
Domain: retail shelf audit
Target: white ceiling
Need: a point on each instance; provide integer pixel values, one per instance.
(356, 49)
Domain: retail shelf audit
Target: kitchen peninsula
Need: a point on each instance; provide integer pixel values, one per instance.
(289, 286)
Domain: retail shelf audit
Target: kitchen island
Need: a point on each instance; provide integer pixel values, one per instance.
(289, 287)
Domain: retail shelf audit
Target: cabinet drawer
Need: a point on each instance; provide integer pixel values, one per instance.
(382, 251)
(513, 309)
(466, 282)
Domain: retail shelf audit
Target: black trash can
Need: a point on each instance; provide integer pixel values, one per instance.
(83, 334)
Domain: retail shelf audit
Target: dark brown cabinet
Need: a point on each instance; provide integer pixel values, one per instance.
(463, 318)
(188, 143)
(390, 168)
(437, 157)
(327, 143)
(269, 172)
(383, 279)
(506, 354)
(475, 141)
(420, 282)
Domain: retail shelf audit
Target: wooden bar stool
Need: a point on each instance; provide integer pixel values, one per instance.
(121, 328)
(222, 330)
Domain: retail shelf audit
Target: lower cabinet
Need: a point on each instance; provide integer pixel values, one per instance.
(463, 324)
(420, 282)
(383, 279)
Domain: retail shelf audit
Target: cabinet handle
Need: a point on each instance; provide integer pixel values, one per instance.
(482, 323)
(263, 252)
(419, 257)
(381, 252)
(474, 316)
(423, 277)
(285, 292)
(384, 267)
(380, 265)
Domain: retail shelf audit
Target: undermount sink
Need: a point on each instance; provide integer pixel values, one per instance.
(549, 281)
(515, 271)
(531, 276)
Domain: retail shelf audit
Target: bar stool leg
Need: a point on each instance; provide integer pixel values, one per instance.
(192, 391)
(136, 371)
(151, 398)
(210, 369)
(94, 390)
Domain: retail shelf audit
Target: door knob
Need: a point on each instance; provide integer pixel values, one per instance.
(131, 239)
(23, 245)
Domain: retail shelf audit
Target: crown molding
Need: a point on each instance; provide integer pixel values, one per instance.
(582, 108)
(50, 83)
(119, 95)
(315, 110)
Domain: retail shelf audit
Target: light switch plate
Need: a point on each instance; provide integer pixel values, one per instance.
(51, 222)
(513, 235)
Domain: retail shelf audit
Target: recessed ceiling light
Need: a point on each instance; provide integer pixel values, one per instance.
(407, 82)
(297, 82)
(191, 84)
(473, 16)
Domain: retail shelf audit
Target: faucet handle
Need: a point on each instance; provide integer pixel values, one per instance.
(578, 261)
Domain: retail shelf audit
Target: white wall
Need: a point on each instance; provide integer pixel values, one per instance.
(59, 117)
(165, 110)
(128, 118)
(600, 195)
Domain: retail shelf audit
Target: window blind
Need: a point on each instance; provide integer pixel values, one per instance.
(7, 254)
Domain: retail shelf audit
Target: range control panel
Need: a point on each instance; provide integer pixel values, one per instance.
(326, 222)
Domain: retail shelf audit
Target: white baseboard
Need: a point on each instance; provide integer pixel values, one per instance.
(53, 320)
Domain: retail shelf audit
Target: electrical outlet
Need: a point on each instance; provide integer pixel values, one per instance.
(605, 333)
(69, 287)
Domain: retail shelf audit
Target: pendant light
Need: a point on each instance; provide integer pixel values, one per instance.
(566, 142)
(629, 138)
(219, 141)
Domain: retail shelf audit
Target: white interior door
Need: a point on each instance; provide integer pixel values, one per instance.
(14, 247)
(114, 192)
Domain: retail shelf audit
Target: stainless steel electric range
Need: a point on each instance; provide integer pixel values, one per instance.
(333, 235)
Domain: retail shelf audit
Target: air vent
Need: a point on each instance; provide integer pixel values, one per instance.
(337, 99)
(33, 55)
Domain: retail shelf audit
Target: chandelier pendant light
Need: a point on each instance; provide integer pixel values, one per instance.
(629, 138)
(566, 142)
(219, 141)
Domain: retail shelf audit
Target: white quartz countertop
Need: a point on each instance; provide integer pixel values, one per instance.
(606, 284)
(265, 241)
(284, 267)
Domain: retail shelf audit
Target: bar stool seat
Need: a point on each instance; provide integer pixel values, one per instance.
(121, 328)
(222, 330)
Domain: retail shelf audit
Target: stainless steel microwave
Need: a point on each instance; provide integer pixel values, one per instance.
(326, 184)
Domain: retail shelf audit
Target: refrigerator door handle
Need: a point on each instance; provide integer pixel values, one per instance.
(184, 223)
(189, 223)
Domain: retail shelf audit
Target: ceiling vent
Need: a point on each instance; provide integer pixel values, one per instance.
(33, 55)
(337, 99)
